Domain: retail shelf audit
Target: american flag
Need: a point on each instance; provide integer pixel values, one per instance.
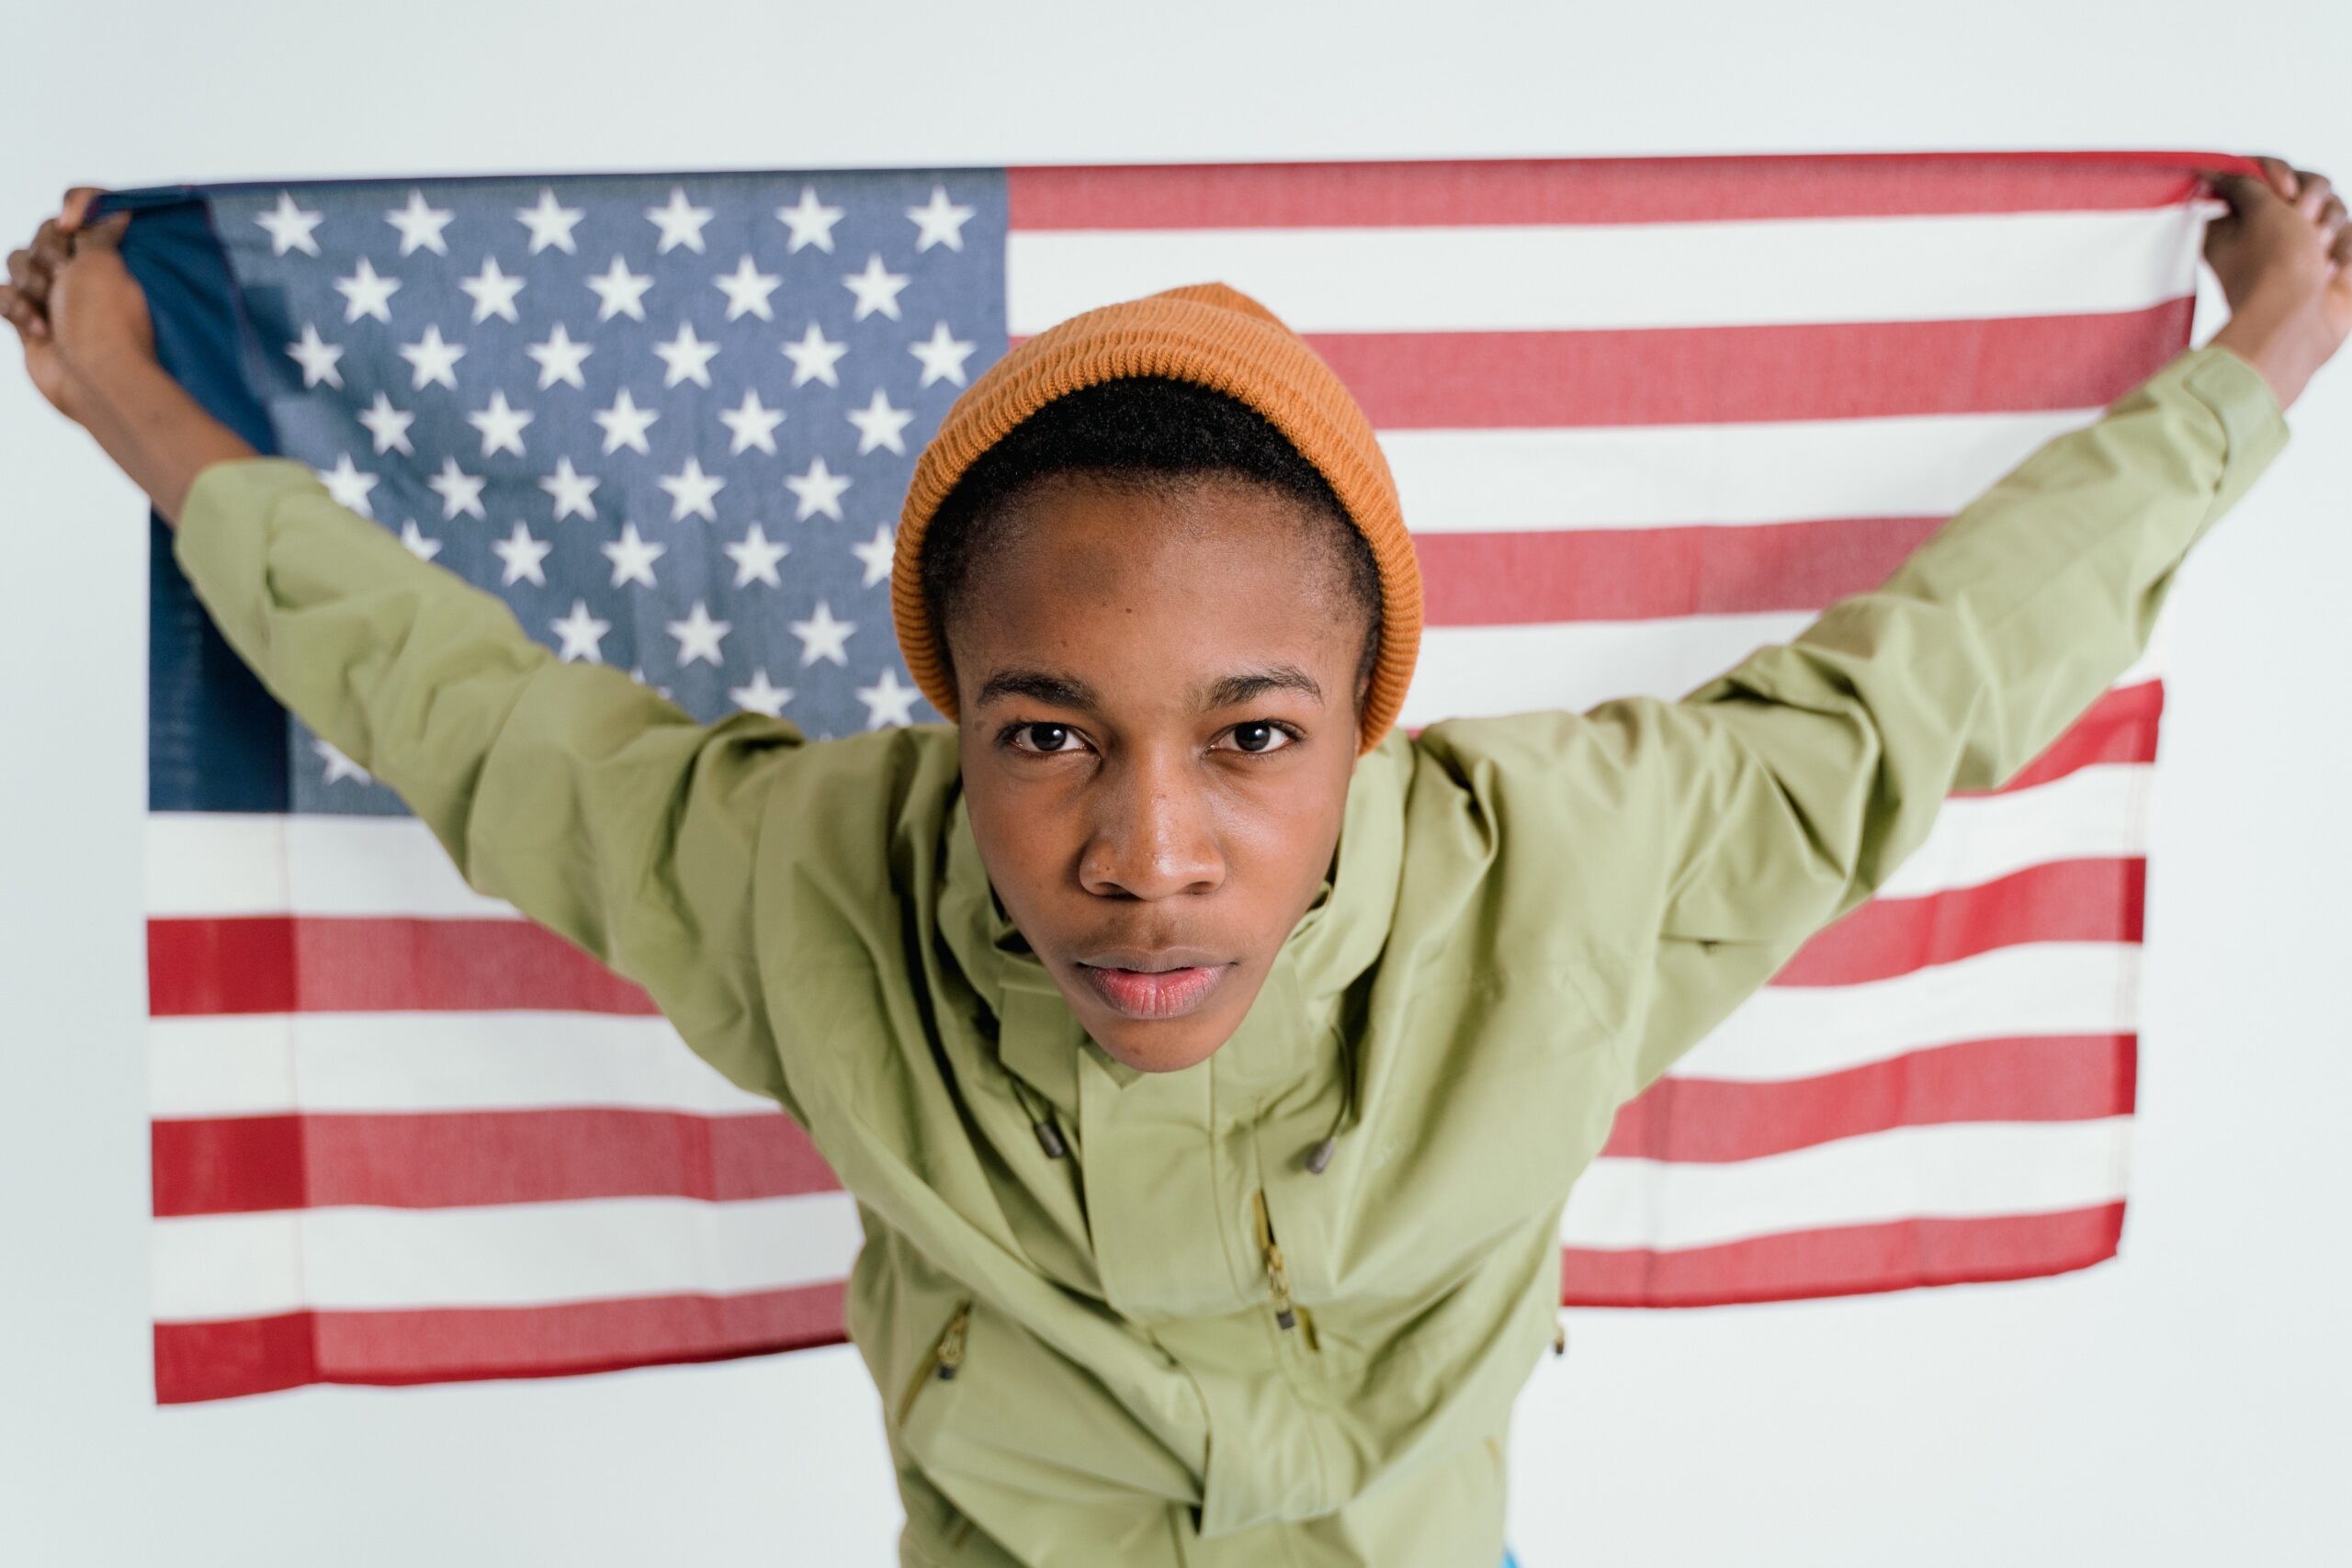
(1646, 415)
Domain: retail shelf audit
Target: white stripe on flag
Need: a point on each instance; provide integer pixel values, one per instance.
(1951, 1170)
(2032, 989)
(266, 1064)
(1672, 476)
(2100, 812)
(220, 1265)
(1542, 277)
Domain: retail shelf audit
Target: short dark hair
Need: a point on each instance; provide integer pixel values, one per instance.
(1152, 432)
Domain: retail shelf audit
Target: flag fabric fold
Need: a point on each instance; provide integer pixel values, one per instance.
(1646, 415)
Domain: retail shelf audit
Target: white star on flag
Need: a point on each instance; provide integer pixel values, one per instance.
(939, 222)
(691, 492)
(811, 222)
(761, 696)
(823, 637)
(620, 292)
(436, 362)
(680, 222)
(559, 359)
(687, 357)
(878, 424)
(887, 701)
(570, 490)
(421, 225)
(624, 424)
(492, 292)
(290, 228)
(876, 555)
(348, 485)
(698, 635)
(550, 222)
(943, 356)
(755, 557)
(747, 289)
(523, 554)
(753, 423)
(582, 634)
(418, 545)
(500, 425)
(877, 288)
(317, 358)
(819, 490)
(814, 356)
(339, 765)
(367, 292)
(389, 425)
(632, 557)
(459, 491)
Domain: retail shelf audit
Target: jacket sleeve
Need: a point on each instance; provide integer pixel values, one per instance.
(1778, 795)
(598, 808)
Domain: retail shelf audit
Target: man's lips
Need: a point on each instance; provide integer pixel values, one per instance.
(1154, 993)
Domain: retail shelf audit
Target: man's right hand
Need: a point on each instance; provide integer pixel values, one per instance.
(79, 314)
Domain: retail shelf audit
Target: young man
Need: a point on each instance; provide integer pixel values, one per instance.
(1210, 1060)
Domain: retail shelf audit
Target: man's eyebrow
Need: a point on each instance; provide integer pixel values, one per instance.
(1231, 691)
(1042, 685)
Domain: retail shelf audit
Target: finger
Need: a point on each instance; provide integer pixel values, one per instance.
(2340, 253)
(2280, 174)
(76, 206)
(51, 248)
(2240, 191)
(105, 235)
(25, 276)
(2315, 192)
(22, 314)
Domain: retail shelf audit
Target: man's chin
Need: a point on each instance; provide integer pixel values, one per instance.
(1162, 1045)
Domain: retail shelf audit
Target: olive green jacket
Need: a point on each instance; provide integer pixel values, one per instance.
(1176, 1343)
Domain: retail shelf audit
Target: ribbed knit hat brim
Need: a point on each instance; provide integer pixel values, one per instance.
(1215, 336)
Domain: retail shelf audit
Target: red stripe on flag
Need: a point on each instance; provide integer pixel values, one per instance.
(222, 1360)
(1844, 1260)
(458, 1159)
(1534, 577)
(2075, 900)
(288, 964)
(448, 1160)
(1594, 190)
(2121, 727)
(1740, 375)
(2060, 1078)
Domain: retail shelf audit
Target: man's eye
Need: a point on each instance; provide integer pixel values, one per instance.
(1043, 737)
(1260, 736)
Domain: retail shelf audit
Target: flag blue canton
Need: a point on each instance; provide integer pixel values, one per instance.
(670, 424)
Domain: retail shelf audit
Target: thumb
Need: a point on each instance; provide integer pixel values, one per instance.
(105, 235)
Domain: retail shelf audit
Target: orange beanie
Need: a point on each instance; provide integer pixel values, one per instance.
(1221, 338)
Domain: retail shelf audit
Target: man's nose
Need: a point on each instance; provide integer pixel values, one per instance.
(1154, 837)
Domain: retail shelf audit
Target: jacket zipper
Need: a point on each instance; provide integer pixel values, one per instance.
(945, 1358)
(1287, 1315)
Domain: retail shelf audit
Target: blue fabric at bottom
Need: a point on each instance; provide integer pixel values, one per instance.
(1508, 1561)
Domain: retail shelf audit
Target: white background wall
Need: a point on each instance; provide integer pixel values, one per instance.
(2181, 1404)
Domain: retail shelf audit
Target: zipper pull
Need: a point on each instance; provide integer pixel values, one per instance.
(1559, 1339)
(950, 1345)
(1284, 1314)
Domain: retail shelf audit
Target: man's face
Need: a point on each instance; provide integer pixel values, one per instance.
(1158, 728)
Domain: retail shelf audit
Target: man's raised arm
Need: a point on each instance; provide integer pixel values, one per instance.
(598, 808)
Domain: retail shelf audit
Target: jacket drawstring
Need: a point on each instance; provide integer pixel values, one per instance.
(1320, 1155)
(1041, 1121)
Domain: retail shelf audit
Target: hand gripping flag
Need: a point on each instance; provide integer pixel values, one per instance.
(1646, 415)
